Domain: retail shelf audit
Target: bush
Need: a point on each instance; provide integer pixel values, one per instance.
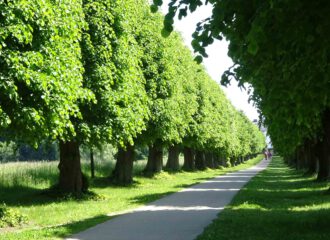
(8, 151)
(11, 217)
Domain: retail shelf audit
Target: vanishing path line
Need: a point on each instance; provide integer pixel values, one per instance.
(179, 216)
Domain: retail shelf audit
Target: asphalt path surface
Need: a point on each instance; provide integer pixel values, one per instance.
(179, 216)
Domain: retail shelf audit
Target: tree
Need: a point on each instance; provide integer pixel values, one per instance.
(41, 72)
(279, 48)
(110, 58)
(164, 66)
(45, 151)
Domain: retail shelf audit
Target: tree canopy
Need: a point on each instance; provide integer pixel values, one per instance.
(111, 58)
(41, 71)
(96, 72)
(280, 48)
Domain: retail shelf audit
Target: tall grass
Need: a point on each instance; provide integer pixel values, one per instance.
(43, 174)
(28, 174)
(50, 218)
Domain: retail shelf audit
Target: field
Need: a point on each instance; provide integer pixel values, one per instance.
(279, 203)
(22, 187)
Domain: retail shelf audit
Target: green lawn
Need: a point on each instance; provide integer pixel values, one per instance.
(22, 184)
(279, 203)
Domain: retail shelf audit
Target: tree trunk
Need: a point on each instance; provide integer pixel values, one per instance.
(209, 159)
(216, 160)
(233, 161)
(223, 161)
(307, 156)
(303, 156)
(123, 172)
(291, 160)
(298, 164)
(173, 158)
(324, 154)
(101, 150)
(92, 163)
(189, 159)
(71, 178)
(313, 160)
(200, 162)
(294, 159)
(155, 160)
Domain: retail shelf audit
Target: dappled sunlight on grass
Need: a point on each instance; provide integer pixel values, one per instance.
(55, 218)
(279, 203)
(248, 206)
(312, 207)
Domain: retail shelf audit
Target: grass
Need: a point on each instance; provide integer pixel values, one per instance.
(279, 203)
(22, 185)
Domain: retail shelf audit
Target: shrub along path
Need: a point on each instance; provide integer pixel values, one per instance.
(182, 215)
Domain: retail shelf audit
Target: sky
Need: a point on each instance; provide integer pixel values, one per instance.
(218, 60)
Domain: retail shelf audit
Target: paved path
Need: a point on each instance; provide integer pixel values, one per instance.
(179, 216)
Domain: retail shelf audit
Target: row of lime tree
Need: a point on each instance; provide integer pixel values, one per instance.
(99, 71)
(280, 49)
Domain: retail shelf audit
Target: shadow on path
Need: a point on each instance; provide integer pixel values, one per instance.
(182, 215)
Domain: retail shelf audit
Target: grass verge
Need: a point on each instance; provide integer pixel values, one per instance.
(54, 219)
(279, 203)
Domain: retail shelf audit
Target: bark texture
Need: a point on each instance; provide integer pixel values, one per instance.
(155, 159)
(200, 162)
(92, 163)
(216, 160)
(173, 158)
(324, 153)
(123, 172)
(71, 178)
(313, 160)
(209, 160)
(189, 159)
(223, 161)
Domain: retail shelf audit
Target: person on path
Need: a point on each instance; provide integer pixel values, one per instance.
(269, 154)
(266, 154)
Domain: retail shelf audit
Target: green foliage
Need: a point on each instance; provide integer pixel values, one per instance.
(187, 107)
(96, 72)
(45, 151)
(111, 59)
(163, 67)
(104, 74)
(8, 151)
(12, 151)
(279, 48)
(11, 217)
(102, 153)
(86, 213)
(271, 204)
(39, 175)
(41, 71)
(217, 126)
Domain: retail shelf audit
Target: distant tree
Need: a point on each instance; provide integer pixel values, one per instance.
(279, 48)
(165, 74)
(45, 151)
(8, 151)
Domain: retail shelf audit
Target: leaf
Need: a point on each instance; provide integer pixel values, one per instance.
(253, 48)
(153, 8)
(199, 59)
